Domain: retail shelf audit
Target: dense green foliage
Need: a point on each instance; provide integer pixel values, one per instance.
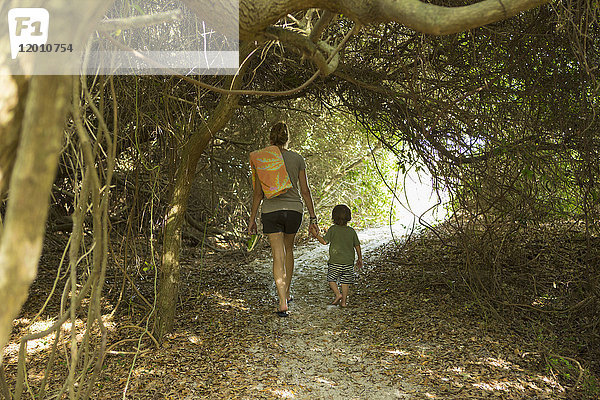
(504, 118)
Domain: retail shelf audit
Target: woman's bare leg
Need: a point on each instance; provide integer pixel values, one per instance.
(279, 270)
(288, 239)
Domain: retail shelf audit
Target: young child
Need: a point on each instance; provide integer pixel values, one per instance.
(343, 241)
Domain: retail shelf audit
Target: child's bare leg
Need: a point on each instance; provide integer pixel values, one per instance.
(345, 289)
(336, 291)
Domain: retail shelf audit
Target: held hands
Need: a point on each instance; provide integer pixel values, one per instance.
(313, 229)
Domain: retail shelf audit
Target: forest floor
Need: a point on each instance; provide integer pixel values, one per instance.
(408, 332)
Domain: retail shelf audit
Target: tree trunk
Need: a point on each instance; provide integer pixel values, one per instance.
(32, 119)
(12, 107)
(30, 185)
(168, 289)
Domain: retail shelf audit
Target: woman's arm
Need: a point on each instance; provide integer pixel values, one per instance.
(257, 197)
(307, 197)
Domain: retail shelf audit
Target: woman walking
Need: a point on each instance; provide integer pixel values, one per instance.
(282, 205)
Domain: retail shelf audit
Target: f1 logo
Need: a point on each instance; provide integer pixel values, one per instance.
(27, 26)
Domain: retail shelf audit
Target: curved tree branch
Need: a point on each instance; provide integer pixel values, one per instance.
(437, 20)
(256, 15)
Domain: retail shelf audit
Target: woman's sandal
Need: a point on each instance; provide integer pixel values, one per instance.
(282, 313)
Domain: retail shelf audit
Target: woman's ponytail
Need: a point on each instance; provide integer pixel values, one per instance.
(279, 134)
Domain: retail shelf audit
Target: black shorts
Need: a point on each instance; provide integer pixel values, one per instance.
(286, 221)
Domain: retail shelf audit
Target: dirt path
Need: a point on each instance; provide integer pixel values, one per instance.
(410, 332)
(407, 334)
(319, 353)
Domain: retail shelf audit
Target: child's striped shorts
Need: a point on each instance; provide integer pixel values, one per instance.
(341, 273)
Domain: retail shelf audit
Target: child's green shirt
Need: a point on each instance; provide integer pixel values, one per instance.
(341, 239)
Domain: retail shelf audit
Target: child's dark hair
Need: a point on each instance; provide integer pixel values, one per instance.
(341, 214)
(279, 134)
